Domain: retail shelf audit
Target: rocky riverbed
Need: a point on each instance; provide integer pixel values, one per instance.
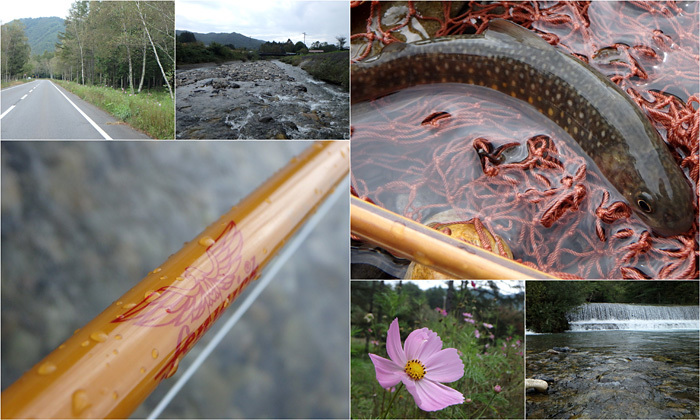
(626, 374)
(259, 100)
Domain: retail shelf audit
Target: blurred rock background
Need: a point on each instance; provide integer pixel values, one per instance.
(82, 222)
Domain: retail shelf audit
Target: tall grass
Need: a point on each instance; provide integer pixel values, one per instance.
(152, 112)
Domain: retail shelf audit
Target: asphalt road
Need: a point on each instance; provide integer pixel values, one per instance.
(42, 110)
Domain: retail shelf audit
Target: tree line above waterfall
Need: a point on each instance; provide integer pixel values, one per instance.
(548, 302)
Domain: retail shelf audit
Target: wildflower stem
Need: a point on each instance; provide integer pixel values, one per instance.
(488, 405)
(386, 413)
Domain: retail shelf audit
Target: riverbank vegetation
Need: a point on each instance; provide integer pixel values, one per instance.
(548, 302)
(194, 52)
(486, 329)
(332, 67)
(151, 112)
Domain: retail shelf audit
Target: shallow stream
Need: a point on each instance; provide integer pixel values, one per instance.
(614, 374)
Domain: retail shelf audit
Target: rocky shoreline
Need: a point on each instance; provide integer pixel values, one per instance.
(258, 100)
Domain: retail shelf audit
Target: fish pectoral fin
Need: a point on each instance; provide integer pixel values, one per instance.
(504, 29)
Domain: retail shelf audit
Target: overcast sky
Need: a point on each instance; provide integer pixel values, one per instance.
(267, 20)
(17, 9)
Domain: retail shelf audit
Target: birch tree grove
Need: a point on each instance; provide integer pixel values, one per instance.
(105, 42)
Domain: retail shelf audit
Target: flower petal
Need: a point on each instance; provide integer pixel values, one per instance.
(432, 396)
(421, 344)
(444, 366)
(393, 344)
(388, 372)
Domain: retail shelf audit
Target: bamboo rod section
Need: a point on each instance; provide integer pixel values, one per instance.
(107, 368)
(419, 243)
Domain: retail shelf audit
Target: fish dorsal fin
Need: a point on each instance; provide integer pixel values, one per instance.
(503, 29)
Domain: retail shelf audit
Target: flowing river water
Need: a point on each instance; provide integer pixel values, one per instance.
(259, 100)
(616, 373)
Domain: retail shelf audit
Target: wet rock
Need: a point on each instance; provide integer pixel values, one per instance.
(219, 83)
(301, 88)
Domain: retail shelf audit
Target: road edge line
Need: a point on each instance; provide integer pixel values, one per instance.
(94, 125)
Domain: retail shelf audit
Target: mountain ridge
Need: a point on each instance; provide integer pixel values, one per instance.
(238, 40)
(42, 33)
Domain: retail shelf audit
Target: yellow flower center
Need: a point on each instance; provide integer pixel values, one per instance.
(415, 369)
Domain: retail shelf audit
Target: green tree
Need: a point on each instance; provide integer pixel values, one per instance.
(341, 41)
(77, 32)
(662, 292)
(43, 65)
(15, 50)
(299, 47)
(288, 46)
(548, 302)
(186, 37)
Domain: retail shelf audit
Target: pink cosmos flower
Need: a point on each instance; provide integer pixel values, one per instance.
(497, 388)
(421, 364)
(467, 315)
(477, 334)
(486, 325)
(440, 311)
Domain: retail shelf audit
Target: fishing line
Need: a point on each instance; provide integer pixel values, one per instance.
(340, 190)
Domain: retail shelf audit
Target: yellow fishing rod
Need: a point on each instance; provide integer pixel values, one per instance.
(108, 367)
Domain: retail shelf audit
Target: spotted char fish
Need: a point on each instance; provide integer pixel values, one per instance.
(595, 112)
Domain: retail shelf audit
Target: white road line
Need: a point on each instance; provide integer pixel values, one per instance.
(24, 96)
(97, 127)
(6, 112)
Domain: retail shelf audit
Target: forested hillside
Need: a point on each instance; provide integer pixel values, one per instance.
(235, 39)
(42, 33)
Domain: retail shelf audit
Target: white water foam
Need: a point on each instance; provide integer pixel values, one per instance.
(618, 316)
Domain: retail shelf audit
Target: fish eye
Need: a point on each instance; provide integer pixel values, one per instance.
(644, 202)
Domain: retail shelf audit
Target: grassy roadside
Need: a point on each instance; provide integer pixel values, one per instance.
(11, 83)
(333, 67)
(150, 112)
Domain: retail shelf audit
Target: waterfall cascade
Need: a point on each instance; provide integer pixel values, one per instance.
(619, 316)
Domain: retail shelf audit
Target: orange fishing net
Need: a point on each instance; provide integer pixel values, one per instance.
(541, 195)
